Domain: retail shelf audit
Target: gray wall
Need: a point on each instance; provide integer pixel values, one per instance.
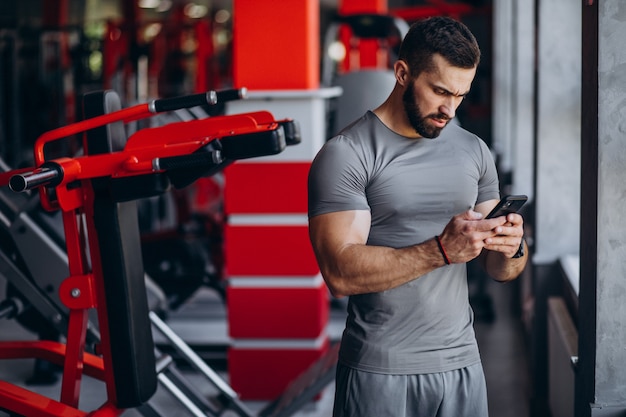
(558, 129)
(610, 319)
(513, 93)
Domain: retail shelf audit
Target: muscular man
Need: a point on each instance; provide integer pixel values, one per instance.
(397, 202)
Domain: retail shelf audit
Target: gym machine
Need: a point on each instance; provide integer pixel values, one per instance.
(387, 32)
(96, 195)
(182, 231)
(33, 260)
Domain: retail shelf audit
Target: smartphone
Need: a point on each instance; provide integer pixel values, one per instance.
(508, 204)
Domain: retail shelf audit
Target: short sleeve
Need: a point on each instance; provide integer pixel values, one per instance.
(488, 184)
(337, 179)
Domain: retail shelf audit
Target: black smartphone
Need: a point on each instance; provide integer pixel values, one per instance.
(508, 204)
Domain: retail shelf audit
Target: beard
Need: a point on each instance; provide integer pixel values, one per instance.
(419, 121)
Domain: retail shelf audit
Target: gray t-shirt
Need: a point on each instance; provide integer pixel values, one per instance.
(412, 187)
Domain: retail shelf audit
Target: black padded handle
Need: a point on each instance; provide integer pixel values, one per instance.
(183, 102)
(200, 99)
(292, 131)
(231, 94)
(191, 161)
(252, 145)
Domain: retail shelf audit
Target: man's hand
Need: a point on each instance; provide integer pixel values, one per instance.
(467, 234)
(509, 236)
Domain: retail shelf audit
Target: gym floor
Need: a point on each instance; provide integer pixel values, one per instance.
(501, 342)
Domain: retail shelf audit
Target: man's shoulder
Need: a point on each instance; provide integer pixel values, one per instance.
(360, 125)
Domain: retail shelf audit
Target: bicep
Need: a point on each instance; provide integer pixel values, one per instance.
(330, 233)
(485, 207)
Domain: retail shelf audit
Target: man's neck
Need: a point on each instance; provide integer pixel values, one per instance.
(391, 113)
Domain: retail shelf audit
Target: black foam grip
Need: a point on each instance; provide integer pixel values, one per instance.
(251, 145)
(231, 94)
(191, 161)
(292, 132)
(184, 102)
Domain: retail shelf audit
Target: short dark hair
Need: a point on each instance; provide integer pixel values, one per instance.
(438, 35)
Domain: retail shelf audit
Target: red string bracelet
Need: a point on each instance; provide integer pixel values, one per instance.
(442, 250)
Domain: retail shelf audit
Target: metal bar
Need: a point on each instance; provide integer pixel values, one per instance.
(176, 392)
(195, 360)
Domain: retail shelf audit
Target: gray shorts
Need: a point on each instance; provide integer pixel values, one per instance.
(459, 393)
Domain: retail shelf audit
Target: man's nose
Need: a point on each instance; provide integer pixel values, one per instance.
(450, 104)
(448, 108)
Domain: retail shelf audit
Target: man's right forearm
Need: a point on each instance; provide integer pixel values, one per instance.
(360, 269)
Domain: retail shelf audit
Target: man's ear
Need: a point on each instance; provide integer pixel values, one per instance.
(401, 70)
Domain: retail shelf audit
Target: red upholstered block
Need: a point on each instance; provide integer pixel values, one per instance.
(272, 250)
(288, 313)
(266, 188)
(264, 373)
(264, 42)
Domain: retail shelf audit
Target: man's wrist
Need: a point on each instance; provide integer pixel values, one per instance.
(442, 250)
(520, 251)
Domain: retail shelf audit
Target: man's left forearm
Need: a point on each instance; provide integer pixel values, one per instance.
(502, 268)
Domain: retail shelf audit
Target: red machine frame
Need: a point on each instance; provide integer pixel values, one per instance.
(73, 195)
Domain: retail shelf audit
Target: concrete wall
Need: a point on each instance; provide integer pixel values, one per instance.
(513, 93)
(610, 383)
(558, 129)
